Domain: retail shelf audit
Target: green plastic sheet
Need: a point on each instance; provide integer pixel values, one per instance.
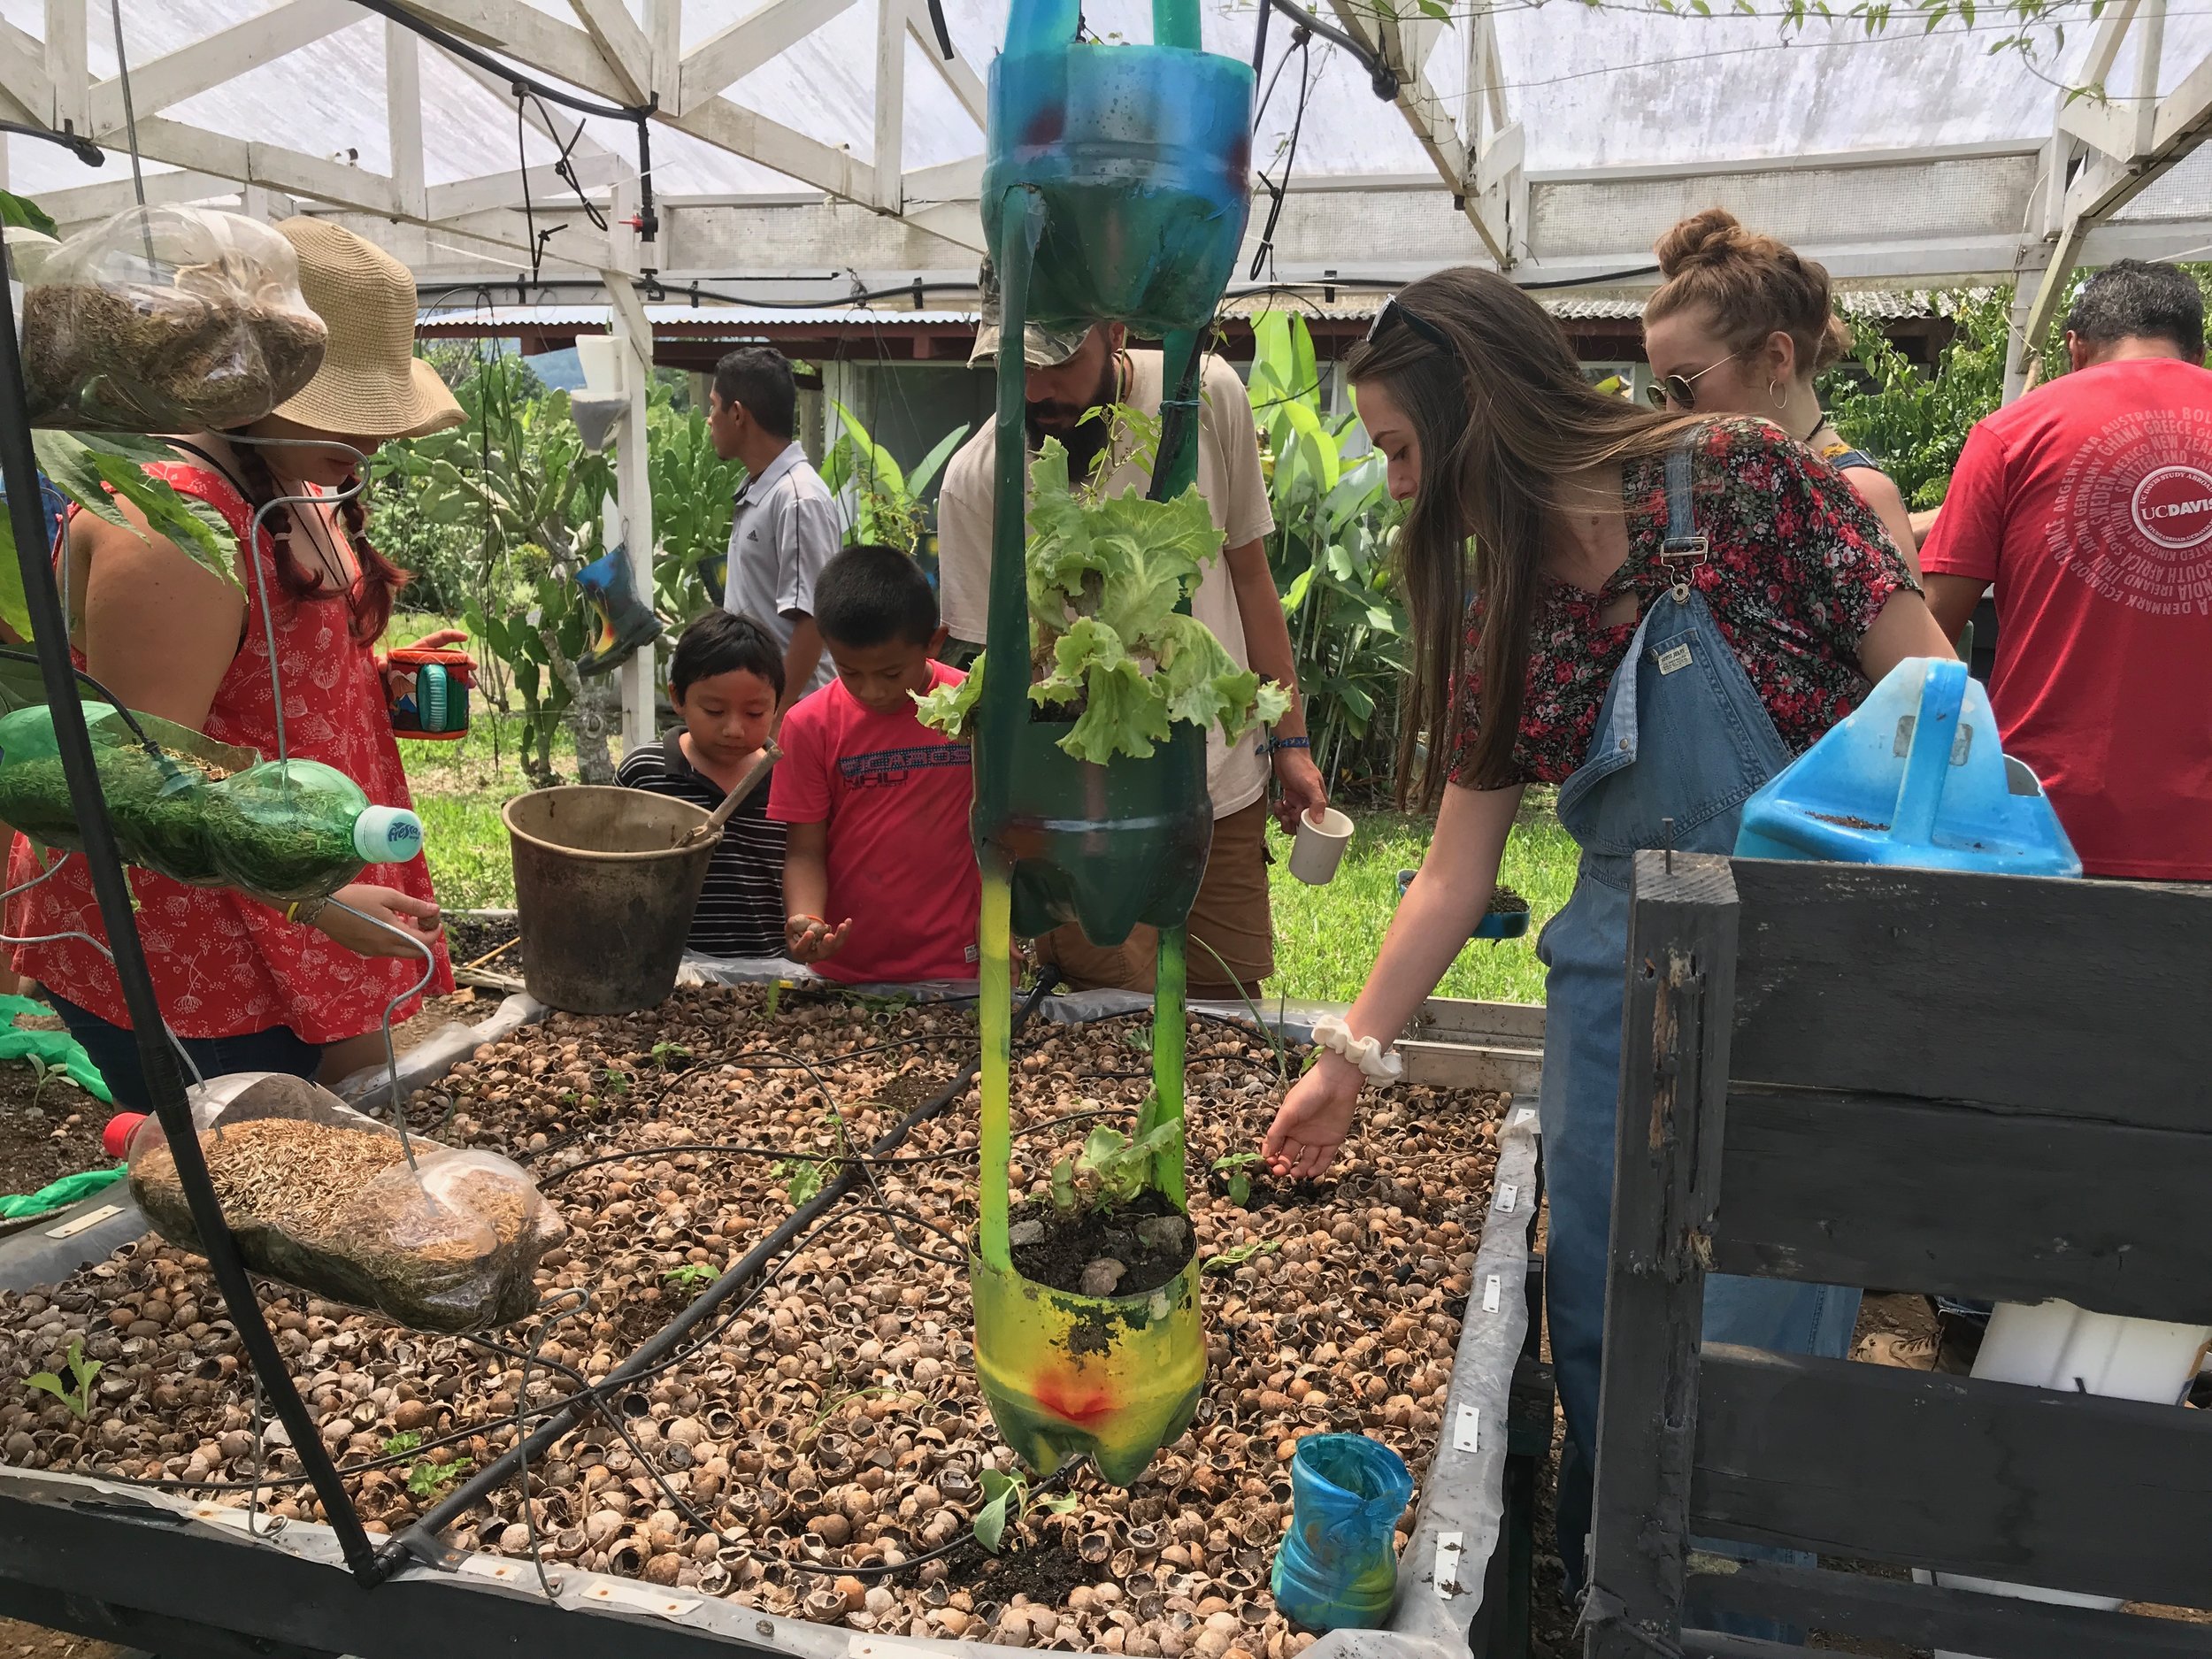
(57, 1048)
(61, 1194)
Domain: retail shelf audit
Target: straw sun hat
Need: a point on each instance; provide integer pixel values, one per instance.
(371, 384)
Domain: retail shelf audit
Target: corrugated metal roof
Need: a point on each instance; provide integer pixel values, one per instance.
(735, 319)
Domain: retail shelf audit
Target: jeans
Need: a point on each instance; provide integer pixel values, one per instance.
(115, 1051)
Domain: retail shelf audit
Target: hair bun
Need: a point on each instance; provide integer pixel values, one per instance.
(1708, 238)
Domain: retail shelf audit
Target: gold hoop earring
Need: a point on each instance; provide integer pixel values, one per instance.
(1774, 390)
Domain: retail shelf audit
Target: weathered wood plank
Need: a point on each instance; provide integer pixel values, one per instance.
(1929, 1615)
(2084, 998)
(2024, 1485)
(1673, 1095)
(1857, 1189)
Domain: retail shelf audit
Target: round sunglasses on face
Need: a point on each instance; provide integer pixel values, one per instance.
(1679, 391)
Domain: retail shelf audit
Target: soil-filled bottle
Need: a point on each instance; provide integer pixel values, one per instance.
(287, 830)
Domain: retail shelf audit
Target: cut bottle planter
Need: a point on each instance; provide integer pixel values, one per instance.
(1107, 847)
(1117, 1377)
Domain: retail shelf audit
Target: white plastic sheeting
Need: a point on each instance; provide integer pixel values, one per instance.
(1616, 86)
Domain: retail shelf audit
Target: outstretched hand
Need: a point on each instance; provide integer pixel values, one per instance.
(808, 939)
(1311, 1123)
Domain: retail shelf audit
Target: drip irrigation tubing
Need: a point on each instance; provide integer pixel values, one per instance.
(421, 1540)
(164, 1083)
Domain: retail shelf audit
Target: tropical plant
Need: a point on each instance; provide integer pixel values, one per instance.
(1912, 421)
(881, 502)
(1330, 556)
(518, 473)
(1006, 1500)
(77, 1393)
(694, 490)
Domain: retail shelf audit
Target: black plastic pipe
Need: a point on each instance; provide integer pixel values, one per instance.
(422, 1538)
(165, 1082)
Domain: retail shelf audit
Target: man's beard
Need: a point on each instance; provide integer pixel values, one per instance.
(1086, 440)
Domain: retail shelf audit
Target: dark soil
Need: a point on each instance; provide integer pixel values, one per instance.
(1044, 1572)
(1071, 1244)
(1505, 901)
(59, 1135)
(470, 937)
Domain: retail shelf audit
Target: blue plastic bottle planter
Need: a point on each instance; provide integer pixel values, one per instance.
(1913, 777)
(1338, 1566)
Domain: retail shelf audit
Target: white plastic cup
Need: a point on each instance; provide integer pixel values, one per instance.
(1319, 847)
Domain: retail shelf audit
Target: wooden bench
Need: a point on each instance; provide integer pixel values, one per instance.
(1988, 1087)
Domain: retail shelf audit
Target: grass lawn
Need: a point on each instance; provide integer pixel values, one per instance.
(1325, 937)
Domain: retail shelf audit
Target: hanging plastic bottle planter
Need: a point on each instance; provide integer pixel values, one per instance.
(1117, 187)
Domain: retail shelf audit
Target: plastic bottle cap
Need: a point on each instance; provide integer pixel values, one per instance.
(116, 1140)
(387, 836)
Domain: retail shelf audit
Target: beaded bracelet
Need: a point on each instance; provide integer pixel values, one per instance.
(1275, 743)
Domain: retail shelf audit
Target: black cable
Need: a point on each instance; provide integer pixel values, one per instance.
(1381, 78)
(76, 143)
(944, 35)
(461, 49)
(1264, 256)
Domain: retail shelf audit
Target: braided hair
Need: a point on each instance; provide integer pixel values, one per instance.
(370, 600)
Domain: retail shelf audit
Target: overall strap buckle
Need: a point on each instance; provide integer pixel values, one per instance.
(1684, 549)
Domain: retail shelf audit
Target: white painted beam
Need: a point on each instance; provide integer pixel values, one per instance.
(890, 147)
(549, 191)
(65, 69)
(86, 202)
(23, 75)
(402, 128)
(960, 180)
(209, 62)
(748, 133)
(731, 54)
(960, 223)
(633, 495)
(529, 37)
(620, 41)
(664, 36)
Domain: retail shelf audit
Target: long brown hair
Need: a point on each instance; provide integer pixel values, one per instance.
(370, 599)
(1501, 419)
(1752, 286)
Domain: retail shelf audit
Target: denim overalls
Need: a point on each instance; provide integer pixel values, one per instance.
(1682, 735)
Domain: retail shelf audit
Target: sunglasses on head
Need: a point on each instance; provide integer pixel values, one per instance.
(1393, 312)
(1679, 391)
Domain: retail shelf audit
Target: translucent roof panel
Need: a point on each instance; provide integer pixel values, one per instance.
(1591, 87)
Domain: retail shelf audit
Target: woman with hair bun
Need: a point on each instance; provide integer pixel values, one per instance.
(1742, 327)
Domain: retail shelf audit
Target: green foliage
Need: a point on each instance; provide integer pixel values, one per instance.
(693, 1276)
(400, 1444)
(429, 1480)
(1006, 1499)
(518, 479)
(20, 211)
(1238, 1165)
(665, 1053)
(887, 502)
(1330, 556)
(1228, 1260)
(1915, 423)
(1111, 1168)
(1105, 577)
(801, 1179)
(693, 493)
(77, 1394)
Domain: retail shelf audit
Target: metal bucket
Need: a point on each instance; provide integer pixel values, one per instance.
(603, 894)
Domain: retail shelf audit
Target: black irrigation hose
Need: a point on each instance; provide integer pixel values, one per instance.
(164, 1083)
(422, 1538)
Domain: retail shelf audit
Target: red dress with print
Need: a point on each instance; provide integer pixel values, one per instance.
(223, 964)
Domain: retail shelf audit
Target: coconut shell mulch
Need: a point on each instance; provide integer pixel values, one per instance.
(827, 1425)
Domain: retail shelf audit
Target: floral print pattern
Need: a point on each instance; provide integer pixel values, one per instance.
(223, 964)
(1798, 569)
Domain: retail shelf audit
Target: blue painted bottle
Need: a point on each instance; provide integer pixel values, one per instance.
(1338, 1566)
(1915, 776)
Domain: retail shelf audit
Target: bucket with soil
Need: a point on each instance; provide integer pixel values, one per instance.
(605, 890)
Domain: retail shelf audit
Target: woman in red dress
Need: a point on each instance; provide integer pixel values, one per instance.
(247, 985)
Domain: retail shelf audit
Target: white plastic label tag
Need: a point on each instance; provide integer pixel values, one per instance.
(1508, 1196)
(1523, 1116)
(1448, 1547)
(1490, 1294)
(1467, 1428)
(75, 1224)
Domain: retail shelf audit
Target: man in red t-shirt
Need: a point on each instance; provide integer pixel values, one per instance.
(877, 802)
(2088, 504)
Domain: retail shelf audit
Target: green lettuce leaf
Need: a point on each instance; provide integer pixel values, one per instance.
(1204, 686)
(948, 708)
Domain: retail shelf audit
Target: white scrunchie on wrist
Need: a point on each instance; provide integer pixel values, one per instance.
(1378, 1067)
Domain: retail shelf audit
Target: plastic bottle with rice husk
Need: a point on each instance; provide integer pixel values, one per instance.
(200, 812)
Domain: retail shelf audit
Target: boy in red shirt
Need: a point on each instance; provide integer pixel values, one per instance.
(877, 802)
(2088, 504)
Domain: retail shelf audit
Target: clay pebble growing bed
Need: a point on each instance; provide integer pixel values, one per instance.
(828, 1424)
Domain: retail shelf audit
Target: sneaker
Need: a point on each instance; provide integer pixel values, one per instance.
(1889, 1347)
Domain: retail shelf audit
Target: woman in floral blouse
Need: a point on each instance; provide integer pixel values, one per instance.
(1654, 613)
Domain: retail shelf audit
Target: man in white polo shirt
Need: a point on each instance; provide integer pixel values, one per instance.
(1232, 933)
(785, 527)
